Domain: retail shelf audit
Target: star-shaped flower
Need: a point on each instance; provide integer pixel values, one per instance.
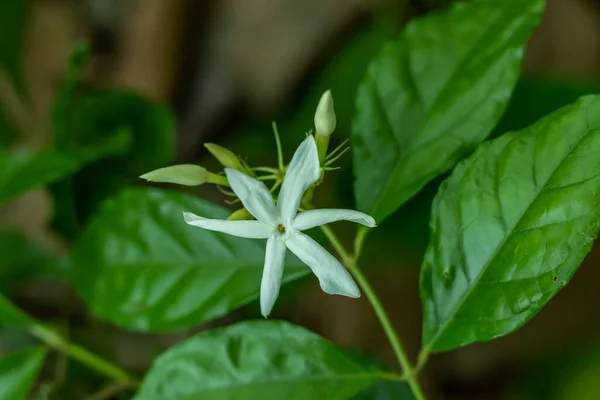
(282, 226)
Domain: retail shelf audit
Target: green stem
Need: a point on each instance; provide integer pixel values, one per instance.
(350, 262)
(279, 150)
(322, 145)
(54, 340)
(407, 368)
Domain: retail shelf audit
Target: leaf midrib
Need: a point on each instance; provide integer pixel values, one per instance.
(427, 349)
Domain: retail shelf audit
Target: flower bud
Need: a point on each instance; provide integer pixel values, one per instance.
(239, 215)
(184, 174)
(325, 120)
(224, 156)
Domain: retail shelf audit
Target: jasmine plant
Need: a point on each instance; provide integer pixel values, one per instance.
(510, 224)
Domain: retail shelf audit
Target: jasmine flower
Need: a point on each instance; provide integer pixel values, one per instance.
(282, 226)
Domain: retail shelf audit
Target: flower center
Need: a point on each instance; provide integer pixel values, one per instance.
(281, 228)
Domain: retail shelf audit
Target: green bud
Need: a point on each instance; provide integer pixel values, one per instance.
(225, 156)
(184, 174)
(240, 215)
(325, 120)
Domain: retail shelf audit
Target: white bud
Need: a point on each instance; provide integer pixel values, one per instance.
(325, 120)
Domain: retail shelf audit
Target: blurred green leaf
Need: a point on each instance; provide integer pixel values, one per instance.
(431, 96)
(10, 315)
(66, 97)
(20, 172)
(256, 360)
(20, 259)
(140, 266)
(19, 371)
(23, 171)
(98, 114)
(93, 116)
(13, 22)
(510, 227)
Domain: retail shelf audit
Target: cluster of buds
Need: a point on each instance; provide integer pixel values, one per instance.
(195, 175)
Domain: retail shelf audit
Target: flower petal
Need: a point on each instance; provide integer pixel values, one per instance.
(303, 171)
(245, 229)
(254, 195)
(333, 277)
(272, 273)
(310, 219)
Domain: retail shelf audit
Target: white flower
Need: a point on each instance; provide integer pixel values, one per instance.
(281, 225)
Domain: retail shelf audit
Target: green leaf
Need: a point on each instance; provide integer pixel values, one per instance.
(13, 22)
(429, 98)
(23, 171)
(20, 259)
(19, 371)
(140, 266)
(91, 116)
(10, 315)
(65, 98)
(510, 227)
(256, 360)
(20, 172)
(94, 114)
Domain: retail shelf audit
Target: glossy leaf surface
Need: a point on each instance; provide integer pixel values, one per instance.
(141, 266)
(268, 360)
(431, 96)
(511, 226)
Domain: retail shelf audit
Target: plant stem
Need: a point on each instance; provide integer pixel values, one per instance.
(278, 143)
(350, 262)
(407, 368)
(54, 340)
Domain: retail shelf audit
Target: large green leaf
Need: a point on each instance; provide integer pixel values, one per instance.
(140, 266)
(91, 115)
(256, 360)
(431, 97)
(510, 227)
(13, 16)
(19, 371)
(23, 171)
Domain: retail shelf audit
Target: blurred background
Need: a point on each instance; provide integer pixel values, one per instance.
(227, 68)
